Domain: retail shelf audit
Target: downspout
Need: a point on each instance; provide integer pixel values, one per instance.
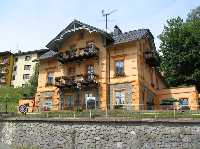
(108, 106)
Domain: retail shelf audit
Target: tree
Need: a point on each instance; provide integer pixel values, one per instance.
(10, 93)
(31, 86)
(194, 14)
(180, 48)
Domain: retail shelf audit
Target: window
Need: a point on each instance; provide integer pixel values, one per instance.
(27, 67)
(16, 59)
(47, 105)
(81, 35)
(26, 76)
(119, 97)
(90, 72)
(5, 60)
(119, 67)
(27, 58)
(183, 102)
(50, 78)
(71, 71)
(13, 77)
(15, 68)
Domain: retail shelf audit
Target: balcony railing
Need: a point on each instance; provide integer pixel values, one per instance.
(78, 54)
(3, 71)
(77, 81)
(151, 58)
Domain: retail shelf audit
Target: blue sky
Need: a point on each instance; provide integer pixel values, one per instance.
(31, 24)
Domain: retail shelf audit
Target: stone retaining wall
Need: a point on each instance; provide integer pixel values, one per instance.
(83, 134)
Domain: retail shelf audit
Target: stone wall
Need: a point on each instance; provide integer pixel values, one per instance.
(70, 134)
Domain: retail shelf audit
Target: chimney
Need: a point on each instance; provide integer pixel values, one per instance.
(117, 30)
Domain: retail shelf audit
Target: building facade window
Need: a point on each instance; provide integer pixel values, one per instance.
(50, 78)
(119, 97)
(27, 67)
(119, 67)
(27, 58)
(90, 72)
(15, 68)
(47, 105)
(16, 59)
(26, 76)
(183, 101)
(13, 77)
(71, 71)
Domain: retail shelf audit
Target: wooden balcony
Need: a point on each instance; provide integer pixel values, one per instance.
(151, 58)
(78, 81)
(74, 55)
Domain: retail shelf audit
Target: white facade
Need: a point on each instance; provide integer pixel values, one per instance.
(23, 68)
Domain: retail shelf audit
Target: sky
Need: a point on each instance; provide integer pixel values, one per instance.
(30, 24)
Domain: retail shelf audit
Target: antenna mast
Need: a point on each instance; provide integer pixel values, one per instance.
(106, 14)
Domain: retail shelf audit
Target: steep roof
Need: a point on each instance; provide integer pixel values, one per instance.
(132, 35)
(49, 54)
(75, 26)
(5, 53)
(115, 39)
(41, 51)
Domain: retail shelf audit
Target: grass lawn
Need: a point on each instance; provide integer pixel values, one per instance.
(116, 114)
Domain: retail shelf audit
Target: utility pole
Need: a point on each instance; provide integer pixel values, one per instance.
(106, 14)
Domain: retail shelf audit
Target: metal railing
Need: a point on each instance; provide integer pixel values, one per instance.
(127, 111)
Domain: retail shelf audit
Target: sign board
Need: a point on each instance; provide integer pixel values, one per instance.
(22, 109)
(90, 102)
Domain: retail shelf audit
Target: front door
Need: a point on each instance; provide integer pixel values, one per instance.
(69, 102)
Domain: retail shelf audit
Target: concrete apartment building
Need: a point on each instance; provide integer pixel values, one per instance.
(6, 66)
(115, 70)
(24, 66)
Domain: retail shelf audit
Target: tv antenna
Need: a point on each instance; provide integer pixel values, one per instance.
(106, 14)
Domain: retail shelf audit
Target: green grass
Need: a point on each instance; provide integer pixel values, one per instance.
(11, 107)
(116, 113)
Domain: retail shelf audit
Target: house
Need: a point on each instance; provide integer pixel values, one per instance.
(6, 65)
(87, 67)
(24, 66)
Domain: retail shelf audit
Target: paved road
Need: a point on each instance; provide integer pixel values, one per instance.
(4, 146)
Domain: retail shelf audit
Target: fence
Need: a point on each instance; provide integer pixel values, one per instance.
(127, 111)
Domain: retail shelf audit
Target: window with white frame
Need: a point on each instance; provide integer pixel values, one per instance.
(26, 76)
(119, 67)
(183, 101)
(27, 67)
(50, 78)
(27, 58)
(120, 97)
